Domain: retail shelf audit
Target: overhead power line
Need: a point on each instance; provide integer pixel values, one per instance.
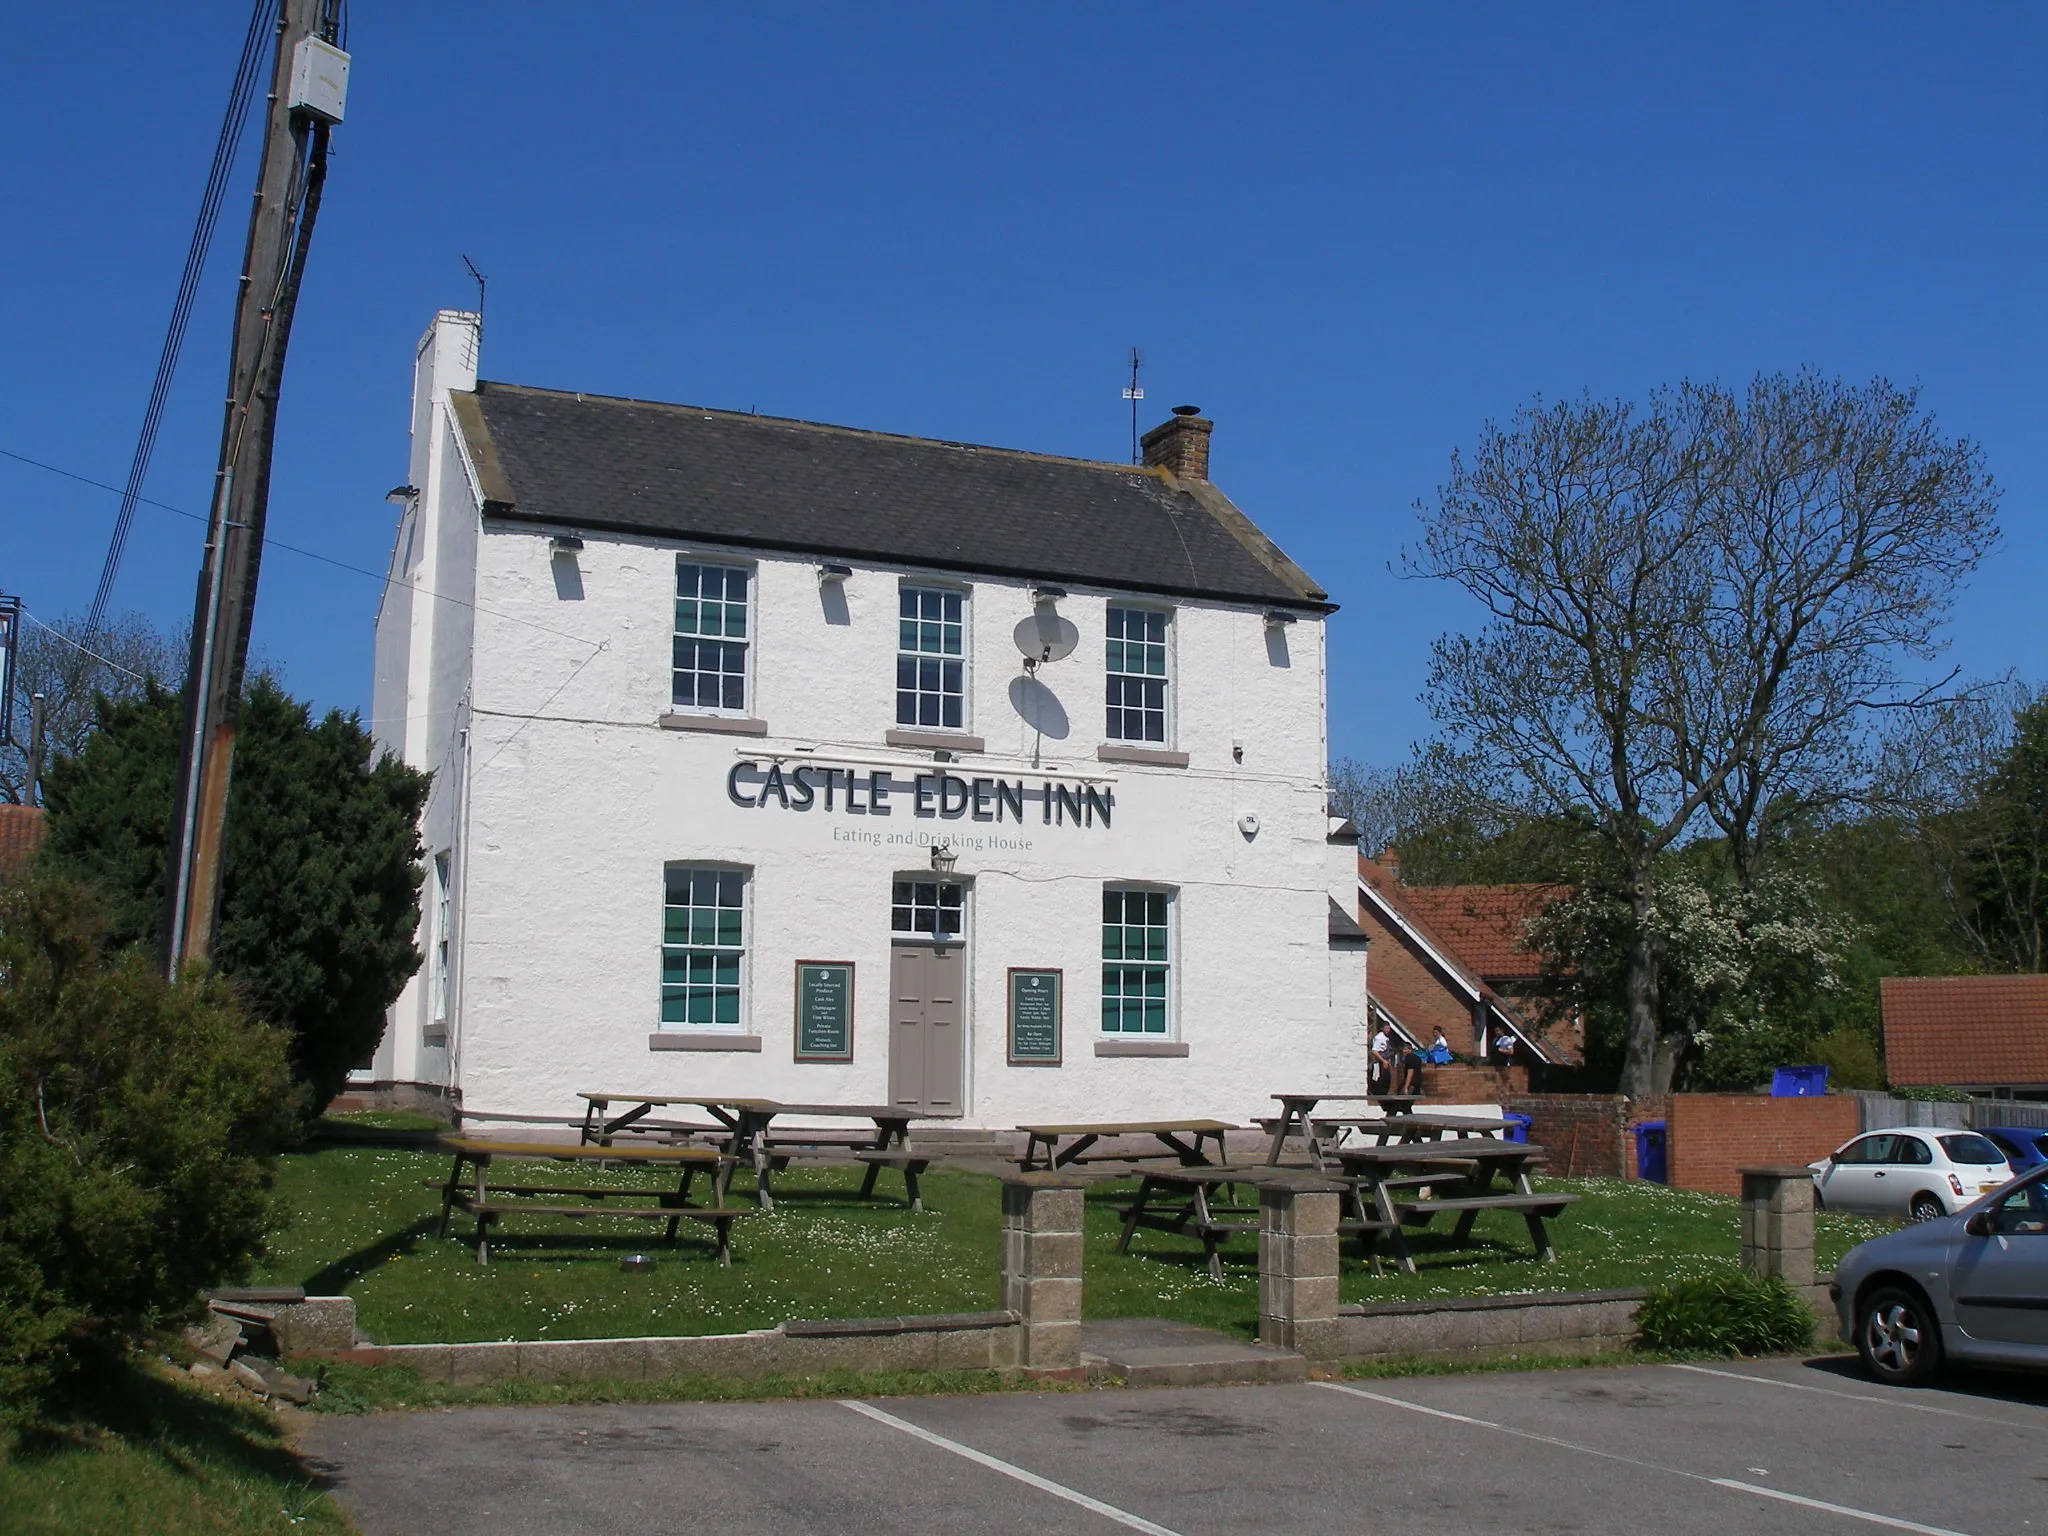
(247, 73)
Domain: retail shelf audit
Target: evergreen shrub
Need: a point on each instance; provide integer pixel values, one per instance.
(137, 1120)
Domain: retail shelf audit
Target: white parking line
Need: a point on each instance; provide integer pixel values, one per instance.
(1857, 1397)
(996, 1464)
(1868, 1516)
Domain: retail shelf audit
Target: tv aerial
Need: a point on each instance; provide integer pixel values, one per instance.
(1043, 636)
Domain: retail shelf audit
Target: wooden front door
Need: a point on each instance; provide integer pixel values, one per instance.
(927, 1053)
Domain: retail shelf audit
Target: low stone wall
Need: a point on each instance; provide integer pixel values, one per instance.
(1568, 1322)
(977, 1341)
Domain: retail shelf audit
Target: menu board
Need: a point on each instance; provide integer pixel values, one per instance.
(1034, 1017)
(824, 1010)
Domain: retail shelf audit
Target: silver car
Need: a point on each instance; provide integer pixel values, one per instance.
(1971, 1287)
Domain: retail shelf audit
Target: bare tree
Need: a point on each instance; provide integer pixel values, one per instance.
(1693, 609)
(127, 654)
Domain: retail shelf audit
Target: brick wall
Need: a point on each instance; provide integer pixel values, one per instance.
(1584, 1133)
(1473, 1083)
(1713, 1134)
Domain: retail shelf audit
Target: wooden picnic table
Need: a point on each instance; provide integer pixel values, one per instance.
(490, 1202)
(600, 1125)
(1423, 1126)
(1183, 1139)
(746, 1128)
(1404, 1183)
(1298, 1118)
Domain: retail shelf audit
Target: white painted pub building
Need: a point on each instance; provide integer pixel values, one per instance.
(790, 761)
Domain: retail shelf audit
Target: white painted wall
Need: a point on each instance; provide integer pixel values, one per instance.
(566, 799)
(424, 651)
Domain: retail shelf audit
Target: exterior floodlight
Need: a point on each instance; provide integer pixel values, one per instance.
(565, 543)
(399, 495)
(1278, 618)
(832, 572)
(1045, 592)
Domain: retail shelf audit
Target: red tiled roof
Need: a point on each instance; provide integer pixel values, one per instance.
(1988, 1030)
(1478, 929)
(21, 833)
(1479, 925)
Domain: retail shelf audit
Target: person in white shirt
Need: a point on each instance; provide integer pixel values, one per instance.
(1379, 1068)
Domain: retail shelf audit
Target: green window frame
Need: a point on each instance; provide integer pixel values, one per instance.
(709, 670)
(703, 947)
(1135, 660)
(1137, 960)
(931, 658)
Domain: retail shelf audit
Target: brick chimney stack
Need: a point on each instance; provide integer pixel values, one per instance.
(1180, 445)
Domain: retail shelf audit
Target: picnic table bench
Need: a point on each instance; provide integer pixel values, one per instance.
(1182, 1139)
(1178, 1200)
(1380, 1180)
(490, 1203)
(1297, 1117)
(1421, 1125)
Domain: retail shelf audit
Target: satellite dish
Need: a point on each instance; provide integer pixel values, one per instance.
(1045, 636)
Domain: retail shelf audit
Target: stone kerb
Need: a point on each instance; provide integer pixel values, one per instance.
(1042, 1247)
(1777, 1222)
(1298, 1266)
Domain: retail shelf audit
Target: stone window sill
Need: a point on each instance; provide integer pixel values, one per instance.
(934, 741)
(680, 1040)
(721, 725)
(1141, 1048)
(1155, 757)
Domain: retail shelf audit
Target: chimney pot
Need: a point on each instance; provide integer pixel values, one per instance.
(1180, 444)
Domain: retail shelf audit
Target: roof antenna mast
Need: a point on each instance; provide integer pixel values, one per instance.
(479, 293)
(1134, 394)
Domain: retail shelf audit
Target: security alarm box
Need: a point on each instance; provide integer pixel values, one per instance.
(319, 80)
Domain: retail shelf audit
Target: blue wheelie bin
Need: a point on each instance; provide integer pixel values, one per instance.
(1652, 1163)
(1518, 1127)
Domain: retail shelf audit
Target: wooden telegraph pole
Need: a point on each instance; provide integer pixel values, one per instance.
(308, 86)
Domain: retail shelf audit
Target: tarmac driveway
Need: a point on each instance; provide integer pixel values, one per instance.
(1773, 1447)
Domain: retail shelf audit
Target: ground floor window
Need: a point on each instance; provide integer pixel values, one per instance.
(703, 945)
(1137, 960)
(931, 909)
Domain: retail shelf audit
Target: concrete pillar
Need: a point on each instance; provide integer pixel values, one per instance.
(1298, 1265)
(1777, 1222)
(1042, 1269)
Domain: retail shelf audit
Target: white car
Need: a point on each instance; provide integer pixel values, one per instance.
(1913, 1171)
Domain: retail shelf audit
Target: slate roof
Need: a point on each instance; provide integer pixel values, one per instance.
(682, 472)
(1989, 1031)
(21, 833)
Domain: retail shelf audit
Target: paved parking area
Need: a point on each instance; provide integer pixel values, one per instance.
(1774, 1447)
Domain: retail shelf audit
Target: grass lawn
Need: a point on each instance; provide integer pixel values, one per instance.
(147, 1452)
(363, 1221)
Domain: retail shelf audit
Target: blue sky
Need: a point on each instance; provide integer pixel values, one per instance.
(1351, 234)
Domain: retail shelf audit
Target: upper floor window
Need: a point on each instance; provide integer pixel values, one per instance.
(931, 661)
(1137, 674)
(703, 942)
(711, 636)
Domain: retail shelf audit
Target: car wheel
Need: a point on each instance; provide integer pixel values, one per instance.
(1926, 1207)
(1898, 1337)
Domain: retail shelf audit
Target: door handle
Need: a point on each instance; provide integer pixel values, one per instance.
(1880, 1173)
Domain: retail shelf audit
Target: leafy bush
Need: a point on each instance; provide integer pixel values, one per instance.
(136, 1122)
(1733, 1312)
